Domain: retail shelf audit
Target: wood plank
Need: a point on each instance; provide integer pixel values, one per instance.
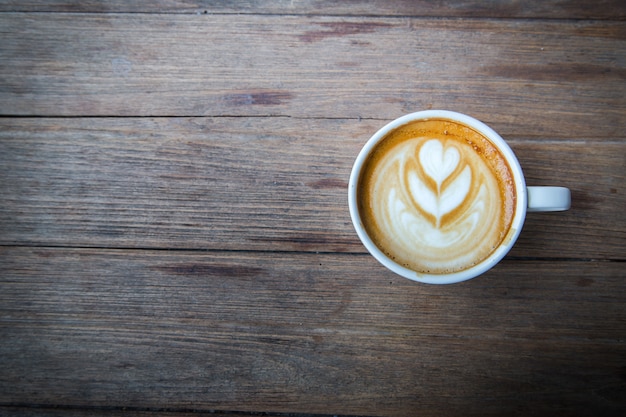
(572, 9)
(302, 66)
(255, 184)
(67, 411)
(316, 333)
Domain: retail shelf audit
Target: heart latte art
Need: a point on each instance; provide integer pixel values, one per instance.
(436, 196)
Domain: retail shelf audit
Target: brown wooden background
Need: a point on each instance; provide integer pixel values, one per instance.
(174, 232)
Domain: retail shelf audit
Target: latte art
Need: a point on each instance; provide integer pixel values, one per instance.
(437, 197)
(438, 166)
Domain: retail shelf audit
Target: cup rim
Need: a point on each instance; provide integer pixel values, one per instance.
(491, 260)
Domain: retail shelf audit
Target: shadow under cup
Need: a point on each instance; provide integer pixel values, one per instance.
(416, 182)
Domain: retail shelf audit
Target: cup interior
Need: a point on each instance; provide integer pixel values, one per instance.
(496, 255)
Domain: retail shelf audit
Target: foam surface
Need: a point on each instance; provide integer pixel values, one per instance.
(436, 197)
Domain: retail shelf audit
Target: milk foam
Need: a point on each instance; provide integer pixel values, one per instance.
(436, 204)
(439, 166)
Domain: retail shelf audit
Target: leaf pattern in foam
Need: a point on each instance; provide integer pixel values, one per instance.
(455, 192)
(439, 165)
(423, 195)
(436, 163)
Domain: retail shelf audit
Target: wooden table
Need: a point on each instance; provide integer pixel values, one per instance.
(175, 237)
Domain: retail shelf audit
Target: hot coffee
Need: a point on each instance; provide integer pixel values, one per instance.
(436, 196)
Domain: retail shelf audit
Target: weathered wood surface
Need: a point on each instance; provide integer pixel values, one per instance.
(522, 76)
(315, 333)
(174, 233)
(256, 184)
(51, 411)
(572, 9)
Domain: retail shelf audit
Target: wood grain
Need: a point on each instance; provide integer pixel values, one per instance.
(52, 411)
(318, 67)
(572, 9)
(255, 184)
(174, 232)
(317, 333)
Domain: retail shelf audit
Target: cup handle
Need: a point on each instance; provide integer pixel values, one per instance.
(548, 198)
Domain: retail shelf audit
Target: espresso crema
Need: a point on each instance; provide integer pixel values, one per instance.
(436, 196)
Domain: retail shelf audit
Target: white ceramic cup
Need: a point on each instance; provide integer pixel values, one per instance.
(528, 199)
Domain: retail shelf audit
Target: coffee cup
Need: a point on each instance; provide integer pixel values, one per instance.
(439, 197)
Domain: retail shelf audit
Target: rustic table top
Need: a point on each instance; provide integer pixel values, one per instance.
(174, 231)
